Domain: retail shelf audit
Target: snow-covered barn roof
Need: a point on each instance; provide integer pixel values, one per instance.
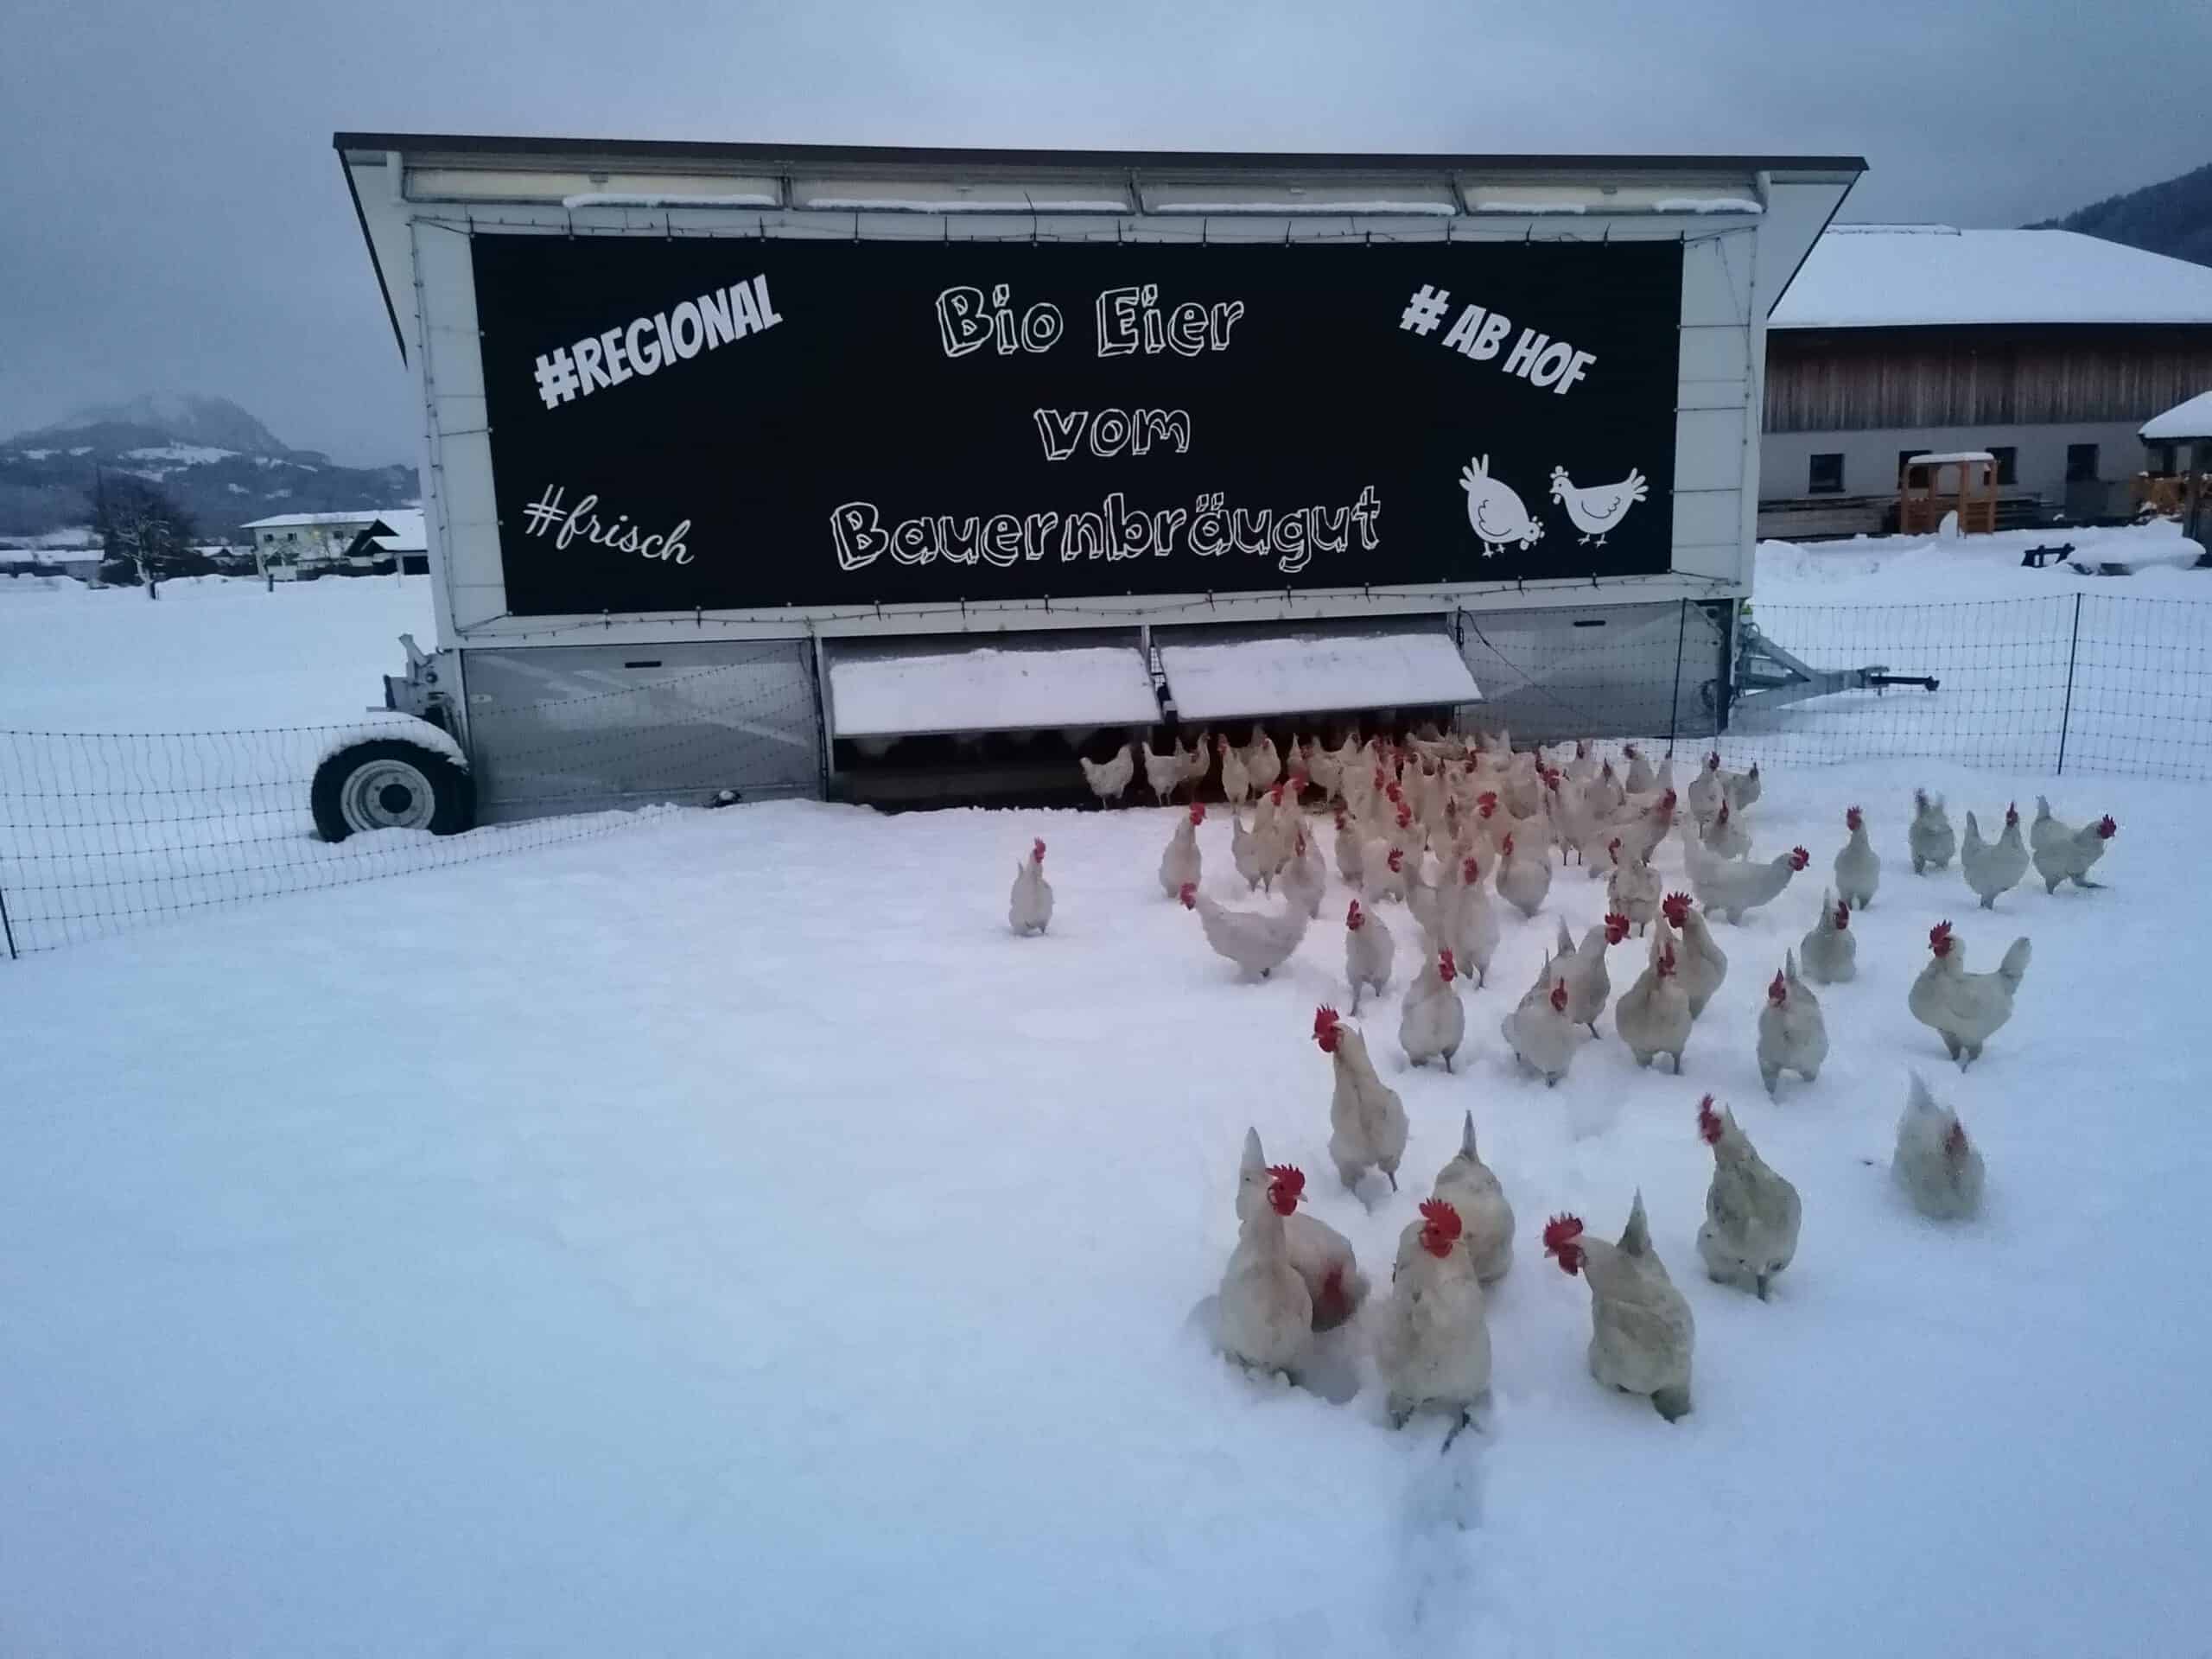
(2182, 422)
(303, 520)
(1918, 276)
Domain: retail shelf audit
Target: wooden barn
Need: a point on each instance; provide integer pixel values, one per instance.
(2045, 348)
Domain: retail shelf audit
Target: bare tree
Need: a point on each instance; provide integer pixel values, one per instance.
(145, 535)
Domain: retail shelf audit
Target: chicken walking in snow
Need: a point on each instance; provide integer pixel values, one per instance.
(1633, 888)
(1367, 1121)
(1162, 772)
(1258, 942)
(1752, 1214)
(1181, 865)
(1322, 1256)
(1368, 951)
(1029, 907)
(2064, 854)
(1994, 868)
(1703, 797)
(1266, 1313)
(1938, 1167)
(1262, 762)
(1732, 889)
(1352, 866)
(1524, 875)
(1857, 867)
(1701, 965)
(1965, 1010)
(1653, 1015)
(1470, 1186)
(1793, 1035)
(1598, 510)
(1432, 1347)
(1303, 879)
(1236, 780)
(1248, 852)
(1109, 779)
(1641, 1330)
(1431, 1021)
(1723, 837)
(1830, 949)
(1467, 922)
(1540, 1035)
(1498, 515)
(1930, 837)
(1583, 967)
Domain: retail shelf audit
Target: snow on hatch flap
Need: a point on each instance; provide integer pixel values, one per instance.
(895, 694)
(1294, 673)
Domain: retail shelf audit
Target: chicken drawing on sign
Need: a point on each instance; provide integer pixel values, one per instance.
(1499, 516)
(1598, 510)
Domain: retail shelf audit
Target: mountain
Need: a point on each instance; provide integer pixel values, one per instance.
(215, 458)
(2173, 218)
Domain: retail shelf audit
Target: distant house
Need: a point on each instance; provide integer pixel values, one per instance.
(293, 544)
(80, 564)
(2046, 348)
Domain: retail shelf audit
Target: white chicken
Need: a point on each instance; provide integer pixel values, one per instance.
(1653, 1015)
(1702, 964)
(1163, 773)
(1541, 1037)
(1304, 880)
(1466, 923)
(1642, 1333)
(1499, 516)
(1029, 906)
(1383, 871)
(1432, 1347)
(1597, 510)
(1703, 795)
(1633, 889)
(1247, 851)
(1723, 837)
(1257, 941)
(1857, 867)
(1993, 869)
(1470, 1186)
(1368, 951)
(1741, 790)
(1322, 1255)
(1351, 868)
(1583, 967)
(1263, 761)
(1181, 865)
(1752, 1214)
(1939, 1168)
(1236, 780)
(1524, 875)
(1431, 1021)
(1640, 778)
(1793, 1033)
(1367, 1121)
(1605, 795)
(1265, 1311)
(1965, 1010)
(2063, 853)
(1197, 764)
(1929, 836)
(1830, 951)
(1732, 888)
(1109, 779)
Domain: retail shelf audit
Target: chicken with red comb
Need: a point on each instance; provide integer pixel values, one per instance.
(1368, 952)
(1367, 1121)
(1965, 1010)
(2062, 853)
(1653, 1015)
(1320, 1254)
(1830, 951)
(1182, 865)
(1433, 1344)
(1793, 1031)
(1641, 1334)
(1752, 1214)
(1029, 906)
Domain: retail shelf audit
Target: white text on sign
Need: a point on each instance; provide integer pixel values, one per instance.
(1480, 335)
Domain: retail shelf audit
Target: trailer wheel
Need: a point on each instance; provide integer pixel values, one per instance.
(391, 783)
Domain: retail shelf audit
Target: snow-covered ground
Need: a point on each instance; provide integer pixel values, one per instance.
(211, 653)
(726, 1237)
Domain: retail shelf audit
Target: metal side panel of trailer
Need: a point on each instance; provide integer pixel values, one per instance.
(1601, 671)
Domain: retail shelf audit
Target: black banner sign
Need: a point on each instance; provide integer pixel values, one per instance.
(743, 423)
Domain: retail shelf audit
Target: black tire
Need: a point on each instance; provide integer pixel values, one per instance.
(392, 783)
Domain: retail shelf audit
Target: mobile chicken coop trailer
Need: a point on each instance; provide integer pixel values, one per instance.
(762, 470)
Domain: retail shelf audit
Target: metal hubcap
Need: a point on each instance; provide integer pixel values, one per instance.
(388, 795)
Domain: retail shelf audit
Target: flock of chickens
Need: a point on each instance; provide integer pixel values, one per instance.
(1439, 825)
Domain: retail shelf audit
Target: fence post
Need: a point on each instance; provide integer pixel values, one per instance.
(6, 932)
(2065, 713)
(1675, 698)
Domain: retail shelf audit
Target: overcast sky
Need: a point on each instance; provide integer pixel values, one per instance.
(173, 218)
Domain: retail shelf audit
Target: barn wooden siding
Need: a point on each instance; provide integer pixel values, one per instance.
(1869, 379)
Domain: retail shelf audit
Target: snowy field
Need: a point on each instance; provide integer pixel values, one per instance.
(727, 1237)
(724, 1236)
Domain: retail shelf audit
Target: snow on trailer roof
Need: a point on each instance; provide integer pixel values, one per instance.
(1915, 275)
(909, 691)
(2192, 419)
(1310, 672)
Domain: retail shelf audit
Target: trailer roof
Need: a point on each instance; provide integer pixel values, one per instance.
(758, 155)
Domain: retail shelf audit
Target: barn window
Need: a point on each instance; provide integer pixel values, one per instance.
(2007, 463)
(1826, 476)
(2161, 462)
(2080, 463)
